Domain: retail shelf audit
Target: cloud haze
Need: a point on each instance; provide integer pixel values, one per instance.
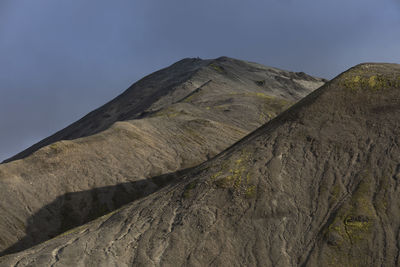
(60, 59)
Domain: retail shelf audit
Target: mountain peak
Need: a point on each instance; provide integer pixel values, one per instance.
(175, 83)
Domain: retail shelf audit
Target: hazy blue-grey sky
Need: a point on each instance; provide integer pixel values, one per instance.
(60, 59)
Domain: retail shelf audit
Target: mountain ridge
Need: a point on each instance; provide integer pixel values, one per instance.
(191, 67)
(70, 182)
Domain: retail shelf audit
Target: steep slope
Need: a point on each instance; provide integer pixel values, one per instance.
(316, 186)
(188, 113)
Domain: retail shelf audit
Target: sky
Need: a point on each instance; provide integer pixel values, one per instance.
(60, 59)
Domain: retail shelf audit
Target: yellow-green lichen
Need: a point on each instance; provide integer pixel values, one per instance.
(218, 68)
(236, 176)
(54, 146)
(250, 191)
(190, 97)
(335, 192)
(372, 81)
(357, 80)
(188, 189)
(352, 227)
(169, 112)
(216, 175)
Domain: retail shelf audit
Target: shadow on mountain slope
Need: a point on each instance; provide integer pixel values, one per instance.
(77, 208)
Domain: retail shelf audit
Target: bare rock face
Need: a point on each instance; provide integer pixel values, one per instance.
(316, 186)
(171, 120)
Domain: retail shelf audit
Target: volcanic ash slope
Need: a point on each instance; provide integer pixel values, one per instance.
(316, 186)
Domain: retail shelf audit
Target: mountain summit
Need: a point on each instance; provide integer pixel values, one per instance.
(176, 83)
(316, 186)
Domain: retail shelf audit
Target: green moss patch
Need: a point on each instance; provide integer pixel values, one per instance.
(351, 230)
(235, 175)
(218, 68)
(358, 80)
(188, 189)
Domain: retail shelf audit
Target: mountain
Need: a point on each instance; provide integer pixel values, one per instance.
(189, 76)
(171, 120)
(316, 186)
